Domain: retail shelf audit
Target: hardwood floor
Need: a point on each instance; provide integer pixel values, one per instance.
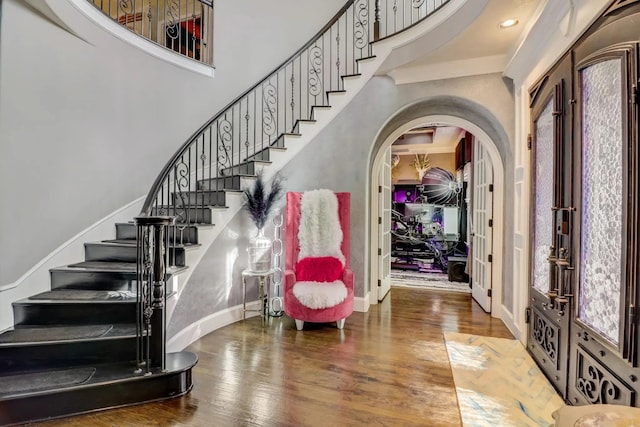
(388, 367)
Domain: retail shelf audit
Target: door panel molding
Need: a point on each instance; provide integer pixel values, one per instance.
(596, 384)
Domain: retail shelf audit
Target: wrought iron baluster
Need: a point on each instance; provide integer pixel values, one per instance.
(293, 102)
(225, 139)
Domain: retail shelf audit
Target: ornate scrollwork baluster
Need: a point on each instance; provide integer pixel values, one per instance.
(126, 6)
(181, 201)
(360, 28)
(269, 110)
(172, 28)
(225, 139)
(315, 71)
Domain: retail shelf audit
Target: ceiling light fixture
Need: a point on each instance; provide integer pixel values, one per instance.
(507, 23)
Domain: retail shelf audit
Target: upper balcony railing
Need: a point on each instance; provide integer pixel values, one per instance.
(183, 26)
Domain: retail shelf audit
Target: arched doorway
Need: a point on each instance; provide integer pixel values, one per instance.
(391, 132)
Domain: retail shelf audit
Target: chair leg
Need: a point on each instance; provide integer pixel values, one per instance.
(340, 323)
(299, 324)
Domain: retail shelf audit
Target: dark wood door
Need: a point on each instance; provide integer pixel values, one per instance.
(585, 251)
(550, 302)
(603, 355)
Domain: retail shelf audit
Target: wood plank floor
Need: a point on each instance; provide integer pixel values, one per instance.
(388, 367)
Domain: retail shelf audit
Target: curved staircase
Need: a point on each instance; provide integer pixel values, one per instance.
(73, 348)
(76, 348)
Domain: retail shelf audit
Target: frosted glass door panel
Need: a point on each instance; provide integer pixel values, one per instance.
(601, 219)
(543, 197)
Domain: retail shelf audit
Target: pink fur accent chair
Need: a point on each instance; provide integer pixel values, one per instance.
(317, 271)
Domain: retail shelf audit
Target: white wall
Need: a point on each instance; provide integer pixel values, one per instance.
(87, 121)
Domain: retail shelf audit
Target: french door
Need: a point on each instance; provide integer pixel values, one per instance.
(482, 220)
(384, 227)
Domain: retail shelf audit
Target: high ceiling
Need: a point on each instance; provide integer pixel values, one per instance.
(484, 37)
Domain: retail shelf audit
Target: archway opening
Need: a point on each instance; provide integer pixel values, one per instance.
(376, 247)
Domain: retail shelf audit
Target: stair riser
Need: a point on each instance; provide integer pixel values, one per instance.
(78, 279)
(209, 198)
(189, 234)
(222, 183)
(196, 215)
(243, 169)
(302, 125)
(81, 313)
(263, 155)
(62, 354)
(79, 399)
(237, 183)
(126, 231)
(94, 252)
(124, 253)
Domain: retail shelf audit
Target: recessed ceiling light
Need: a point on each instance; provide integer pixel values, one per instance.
(508, 23)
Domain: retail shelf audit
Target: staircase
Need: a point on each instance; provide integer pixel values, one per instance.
(87, 344)
(73, 349)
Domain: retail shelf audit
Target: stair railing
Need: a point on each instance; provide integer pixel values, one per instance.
(183, 26)
(237, 140)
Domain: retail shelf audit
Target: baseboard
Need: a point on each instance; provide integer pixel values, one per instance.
(361, 304)
(202, 327)
(507, 319)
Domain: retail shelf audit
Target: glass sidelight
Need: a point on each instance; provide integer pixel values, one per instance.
(601, 248)
(544, 194)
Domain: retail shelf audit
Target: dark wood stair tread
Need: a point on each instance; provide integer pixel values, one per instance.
(114, 266)
(100, 374)
(105, 265)
(132, 242)
(83, 295)
(42, 334)
(46, 380)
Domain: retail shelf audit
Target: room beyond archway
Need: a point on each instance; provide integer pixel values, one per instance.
(378, 248)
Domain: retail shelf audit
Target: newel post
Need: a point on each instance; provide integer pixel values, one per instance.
(152, 261)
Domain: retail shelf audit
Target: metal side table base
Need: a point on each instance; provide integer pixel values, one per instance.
(264, 287)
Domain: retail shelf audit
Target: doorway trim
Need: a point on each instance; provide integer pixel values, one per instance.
(498, 198)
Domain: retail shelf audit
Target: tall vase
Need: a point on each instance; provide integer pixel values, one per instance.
(259, 252)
